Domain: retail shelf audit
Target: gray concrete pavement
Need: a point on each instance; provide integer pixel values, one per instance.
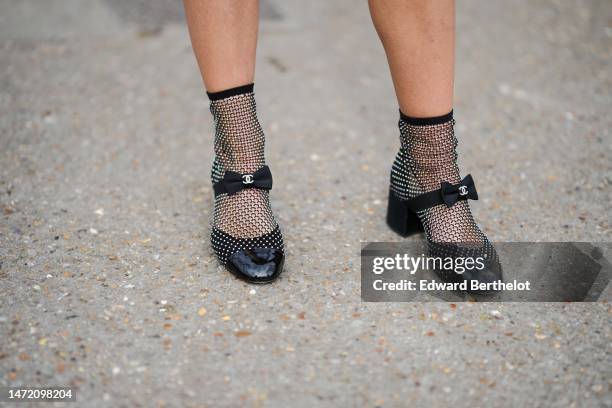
(107, 279)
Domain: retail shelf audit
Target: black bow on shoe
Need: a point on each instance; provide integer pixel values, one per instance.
(448, 194)
(465, 190)
(233, 182)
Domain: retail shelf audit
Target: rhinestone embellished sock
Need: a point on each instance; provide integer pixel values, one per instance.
(242, 220)
(427, 157)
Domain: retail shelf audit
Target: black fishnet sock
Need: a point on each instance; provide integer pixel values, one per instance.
(239, 146)
(427, 157)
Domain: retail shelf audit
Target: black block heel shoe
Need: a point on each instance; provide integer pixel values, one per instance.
(245, 235)
(400, 219)
(427, 195)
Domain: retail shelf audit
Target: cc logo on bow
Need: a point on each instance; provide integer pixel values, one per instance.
(465, 190)
(233, 182)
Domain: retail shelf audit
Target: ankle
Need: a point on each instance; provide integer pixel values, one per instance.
(239, 138)
(430, 149)
(431, 138)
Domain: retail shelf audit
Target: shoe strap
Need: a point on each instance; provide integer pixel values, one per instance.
(448, 194)
(233, 182)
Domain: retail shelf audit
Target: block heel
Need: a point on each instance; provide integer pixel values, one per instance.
(400, 219)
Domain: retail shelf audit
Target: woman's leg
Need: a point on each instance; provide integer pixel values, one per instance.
(245, 235)
(224, 39)
(419, 40)
(426, 187)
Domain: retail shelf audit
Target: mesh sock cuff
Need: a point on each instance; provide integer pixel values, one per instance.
(227, 93)
(435, 120)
